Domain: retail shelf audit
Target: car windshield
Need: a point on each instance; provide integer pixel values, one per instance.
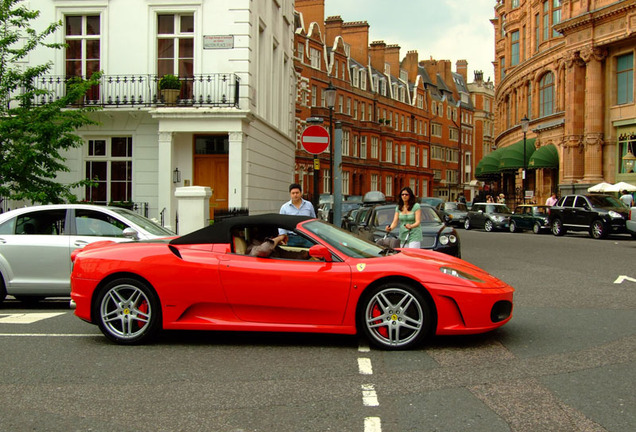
(144, 223)
(604, 201)
(343, 241)
(455, 206)
(541, 210)
(429, 216)
(498, 209)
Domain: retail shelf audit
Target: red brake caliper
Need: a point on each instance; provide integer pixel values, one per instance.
(384, 332)
(143, 307)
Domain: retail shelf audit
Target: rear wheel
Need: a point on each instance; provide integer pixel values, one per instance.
(598, 230)
(467, 224)
(557, 227)
(513, 227)
(536, 228)
(395, 316)
(488, 226)
(128, 311)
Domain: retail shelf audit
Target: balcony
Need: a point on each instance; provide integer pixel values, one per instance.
(126, 91)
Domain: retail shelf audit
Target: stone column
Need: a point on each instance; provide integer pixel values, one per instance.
(164, 179)
(593, 57)
(237, 169)
(573, 162)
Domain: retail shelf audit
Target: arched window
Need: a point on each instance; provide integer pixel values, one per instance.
(546, 95)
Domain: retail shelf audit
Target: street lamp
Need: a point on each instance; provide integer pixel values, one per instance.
(330, 100)
(524, 127)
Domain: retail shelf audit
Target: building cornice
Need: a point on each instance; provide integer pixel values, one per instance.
(585, 20)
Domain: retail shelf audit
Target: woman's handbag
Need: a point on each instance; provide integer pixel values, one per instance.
(389, 241)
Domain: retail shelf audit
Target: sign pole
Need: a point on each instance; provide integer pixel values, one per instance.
(316, 181)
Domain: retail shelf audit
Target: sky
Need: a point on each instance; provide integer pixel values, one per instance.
(442, 29)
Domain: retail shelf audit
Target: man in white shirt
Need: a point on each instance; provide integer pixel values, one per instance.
(296, 206)
(552, 200)
(627, 199)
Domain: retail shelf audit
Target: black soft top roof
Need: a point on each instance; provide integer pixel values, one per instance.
(221, 232)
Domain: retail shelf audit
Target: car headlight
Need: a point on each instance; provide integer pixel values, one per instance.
(615, 215)
(459, 274)
(446, 239)
(443, 240)
(499, 218)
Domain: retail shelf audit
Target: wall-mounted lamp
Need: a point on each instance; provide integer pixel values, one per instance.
(628, 159)
(176, 176)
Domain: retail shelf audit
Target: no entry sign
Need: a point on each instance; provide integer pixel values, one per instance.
(315, 139)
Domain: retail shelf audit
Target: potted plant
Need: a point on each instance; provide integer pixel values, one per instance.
(170, 86)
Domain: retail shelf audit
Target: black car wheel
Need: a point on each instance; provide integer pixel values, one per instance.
(557, 227)
(598, 230)
(128, 311)
(395, 316)
(467, 224)
(513, 227)
(536, 228)
(488, 226)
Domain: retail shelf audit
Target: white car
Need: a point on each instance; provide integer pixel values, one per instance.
(36, 243)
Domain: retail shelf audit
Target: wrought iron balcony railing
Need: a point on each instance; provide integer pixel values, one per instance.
(121, 91)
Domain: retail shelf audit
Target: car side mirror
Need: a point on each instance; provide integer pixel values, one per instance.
(320, 251)
(131, 233)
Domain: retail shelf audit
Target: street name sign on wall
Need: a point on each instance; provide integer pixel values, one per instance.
(315, 139)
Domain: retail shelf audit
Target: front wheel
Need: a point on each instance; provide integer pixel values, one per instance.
(128, 311)
(488, 226)
(597, 229)
(467, 224)
(395, 316)
(536, 228)
(513, 227)
(557, 228)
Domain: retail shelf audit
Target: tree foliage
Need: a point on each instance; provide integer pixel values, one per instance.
(33, 136)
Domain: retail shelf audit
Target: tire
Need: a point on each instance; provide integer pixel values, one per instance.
(128, 311)
(536, 228)
(513, 227)
(3, 290)
(598, 229)
(467, 224)
(557, 227)
(488, 226)
(387, 325)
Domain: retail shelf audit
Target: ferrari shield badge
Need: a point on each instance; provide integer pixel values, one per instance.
(361, 266)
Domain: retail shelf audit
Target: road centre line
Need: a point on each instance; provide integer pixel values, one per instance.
(372, 424)
(364, 366)
(369, 396)
(46, 335)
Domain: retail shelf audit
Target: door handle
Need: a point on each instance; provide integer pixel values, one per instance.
(3, 241)
(80, 243)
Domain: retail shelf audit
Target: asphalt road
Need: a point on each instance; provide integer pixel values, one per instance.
(566, 362)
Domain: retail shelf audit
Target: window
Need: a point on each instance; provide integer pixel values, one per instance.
(420, 101)
(625, 79)
(374, 182)
(362, 105)
(314, 95)
(453, 134)
(340, 104)
(424, 158)
(437, 153)
(546, 20)
(388, 154)
(175, 45)
(374, 148)
(109, 165)
(388, 186)
(83, 51)
(363, 146)
(348, 106)
(546, 94)
(514, 49)
(326, 181)
(345, 182)
(436, 130)
(355, 110)
(43, 222)
(355, 78)
(412, 156)
(626, 142)
(502, 67)
(300, 52)
(95, 223)
(346, 151)
(403, 154)
(537, 32)
(556, 16)
(355, 146)
(363, 79)
(314, 58)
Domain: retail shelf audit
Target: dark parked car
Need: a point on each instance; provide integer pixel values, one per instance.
(371, 222)
(453, 213)
(597, 214)
(489, 216)
(325, 210)
(530, 217)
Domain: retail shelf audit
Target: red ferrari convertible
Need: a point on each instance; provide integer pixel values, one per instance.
(222, 278)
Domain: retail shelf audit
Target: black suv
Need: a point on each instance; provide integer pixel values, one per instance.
(597, 214)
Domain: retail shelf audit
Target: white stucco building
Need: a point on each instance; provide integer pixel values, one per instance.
(232, 128)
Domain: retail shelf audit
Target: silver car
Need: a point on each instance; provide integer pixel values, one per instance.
(36, 243)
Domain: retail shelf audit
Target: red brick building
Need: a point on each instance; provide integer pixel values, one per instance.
(404, 122)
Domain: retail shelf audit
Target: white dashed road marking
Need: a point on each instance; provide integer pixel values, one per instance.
(369, 396)
(27, 318)
(364, 366)
(372, 424)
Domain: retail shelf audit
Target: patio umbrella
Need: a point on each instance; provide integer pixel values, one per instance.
(601, 187)
(620, 187)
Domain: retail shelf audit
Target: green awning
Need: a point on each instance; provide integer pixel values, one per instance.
(512, 156)
(488, 166)
(546, 156)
